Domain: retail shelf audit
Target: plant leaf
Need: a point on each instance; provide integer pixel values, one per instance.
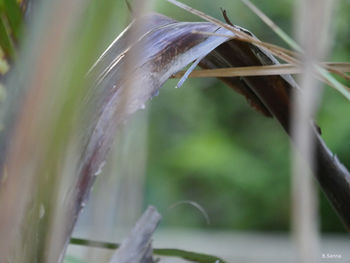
(5, 41)
(169, 252)
(14, 16)
(167, 47)
(138, 63)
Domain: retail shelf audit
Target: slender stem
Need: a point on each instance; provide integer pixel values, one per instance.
(169, 252)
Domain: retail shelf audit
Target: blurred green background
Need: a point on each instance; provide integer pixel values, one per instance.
(205, 143)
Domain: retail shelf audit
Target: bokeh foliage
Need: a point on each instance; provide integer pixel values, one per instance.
(207, 145)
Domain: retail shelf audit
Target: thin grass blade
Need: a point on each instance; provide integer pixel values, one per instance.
(333, 82)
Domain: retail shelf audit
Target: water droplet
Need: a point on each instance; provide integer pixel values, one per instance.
(41, 211)
(99, 170)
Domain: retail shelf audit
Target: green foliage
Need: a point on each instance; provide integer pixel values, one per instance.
(11, 19)
(218, 154)
(5, 41)
(14, 16)
(215, 150)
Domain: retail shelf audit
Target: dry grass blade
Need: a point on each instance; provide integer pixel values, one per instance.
(267, 70)
(283, 53)
(341, 66)
(240, 34)
(272, 25)
(289, 56)
(340, 73)
(323, 75)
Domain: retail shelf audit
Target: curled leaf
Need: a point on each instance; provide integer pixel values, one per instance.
(149, 52)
